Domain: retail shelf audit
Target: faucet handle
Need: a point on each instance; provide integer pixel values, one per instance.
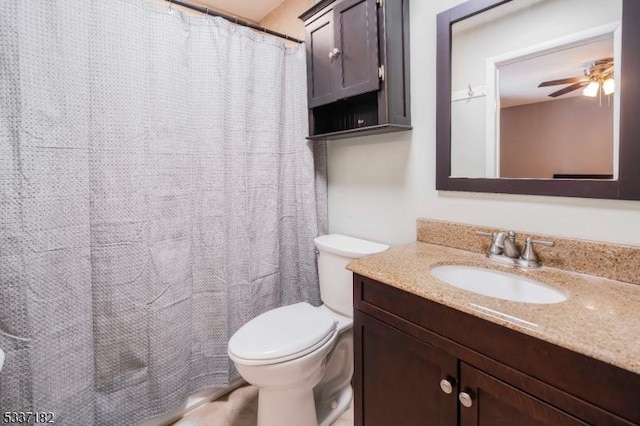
(529, 253)
(486, 234)
(542, 242)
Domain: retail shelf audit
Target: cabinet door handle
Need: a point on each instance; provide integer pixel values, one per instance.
(465, 399)
(446, 386)
(334, 53)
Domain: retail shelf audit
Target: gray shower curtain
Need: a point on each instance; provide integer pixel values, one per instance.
(156, 192)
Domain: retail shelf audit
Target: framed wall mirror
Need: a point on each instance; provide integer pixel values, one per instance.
(539, 97)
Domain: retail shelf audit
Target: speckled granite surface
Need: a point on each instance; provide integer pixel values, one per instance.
(617, 262)
(600, 318)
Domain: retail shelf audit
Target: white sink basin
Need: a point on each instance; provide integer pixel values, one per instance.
(500, 285)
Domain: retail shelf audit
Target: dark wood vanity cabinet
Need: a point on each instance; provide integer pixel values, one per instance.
(493, 402)
(397, 373)
(414, 358)
(357, 67)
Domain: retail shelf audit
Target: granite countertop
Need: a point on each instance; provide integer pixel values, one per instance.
(600, 318)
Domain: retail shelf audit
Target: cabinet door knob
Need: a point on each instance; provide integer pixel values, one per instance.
(446, 386)
(334, 53)
(465, 399)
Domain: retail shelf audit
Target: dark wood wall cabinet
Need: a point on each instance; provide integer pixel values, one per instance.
(421, 363)
(357, 67)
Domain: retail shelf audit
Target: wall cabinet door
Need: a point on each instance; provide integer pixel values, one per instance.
(320, 66)
(356, 38)
(342, 52)
(397, 378)
(493, 402)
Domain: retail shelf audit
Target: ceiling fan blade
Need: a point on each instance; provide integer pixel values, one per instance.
(561, 81)
(576, 86)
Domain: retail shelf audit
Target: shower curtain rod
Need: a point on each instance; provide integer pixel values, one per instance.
(233, 19)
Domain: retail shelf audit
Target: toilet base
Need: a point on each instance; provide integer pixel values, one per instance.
(291, 406)
(333, 394)
(329, 411)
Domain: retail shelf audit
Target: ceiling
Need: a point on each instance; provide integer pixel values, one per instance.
(248, 9)
(519, 81)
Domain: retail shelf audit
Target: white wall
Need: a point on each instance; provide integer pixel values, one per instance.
(468, 135)
(379, 185)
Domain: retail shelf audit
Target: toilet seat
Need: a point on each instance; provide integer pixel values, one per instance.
(282, 334)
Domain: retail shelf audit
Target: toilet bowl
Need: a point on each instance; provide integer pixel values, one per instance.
(299, 356)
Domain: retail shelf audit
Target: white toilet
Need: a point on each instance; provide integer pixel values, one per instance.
(301, 357)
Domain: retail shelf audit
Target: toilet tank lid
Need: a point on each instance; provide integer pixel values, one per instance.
(348, 246)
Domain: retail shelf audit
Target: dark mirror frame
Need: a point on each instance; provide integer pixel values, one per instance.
(627, 187)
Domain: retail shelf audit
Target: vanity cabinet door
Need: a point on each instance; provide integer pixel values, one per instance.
(397, 378)
(493, 402)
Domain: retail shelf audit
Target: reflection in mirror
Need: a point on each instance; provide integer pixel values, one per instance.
(534, 86)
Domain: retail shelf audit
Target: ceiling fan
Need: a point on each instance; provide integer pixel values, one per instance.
(595, 73)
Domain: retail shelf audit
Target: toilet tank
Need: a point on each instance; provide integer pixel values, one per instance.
(336, 282)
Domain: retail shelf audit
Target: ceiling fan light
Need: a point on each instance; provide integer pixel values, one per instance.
(609, 85)
(592, 89)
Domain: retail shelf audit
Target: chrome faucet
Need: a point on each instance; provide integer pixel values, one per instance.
(505, 250)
